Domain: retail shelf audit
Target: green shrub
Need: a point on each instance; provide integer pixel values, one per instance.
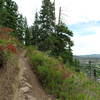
(63, 82)
(50, 78)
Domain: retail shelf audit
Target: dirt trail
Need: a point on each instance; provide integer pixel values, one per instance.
(28, 85)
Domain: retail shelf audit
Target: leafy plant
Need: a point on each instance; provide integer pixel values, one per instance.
(60, 80)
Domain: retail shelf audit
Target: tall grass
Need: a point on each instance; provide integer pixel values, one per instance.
(59, 80)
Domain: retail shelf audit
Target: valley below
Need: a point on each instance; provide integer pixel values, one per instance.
(89, 63)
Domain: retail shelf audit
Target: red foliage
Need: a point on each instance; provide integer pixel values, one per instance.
(4, 35)
(11, 48)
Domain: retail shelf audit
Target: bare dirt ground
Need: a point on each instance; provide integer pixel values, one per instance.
(20, 83)
(29, 88)
(8, 80)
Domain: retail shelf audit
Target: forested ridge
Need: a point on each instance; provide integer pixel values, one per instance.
(47, 48)
(44, 33)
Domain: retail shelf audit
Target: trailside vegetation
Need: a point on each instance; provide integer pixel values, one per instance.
(59, 80)
(11, 18)
(51, 37)
(46, 34)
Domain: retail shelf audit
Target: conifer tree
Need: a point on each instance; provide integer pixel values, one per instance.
(47, 24)
(27, 37)
(62, 43)
(20, 28)
(2, 12)
(11, 14)
(36, 31)
(65, 34)
(1, 4)
(8, 14)
(9, 17)
(26, 34)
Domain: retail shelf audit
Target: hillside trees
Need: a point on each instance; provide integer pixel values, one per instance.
(23, 30)
(49, 36)
(47, 24)
(1, 11)
(36, 31)
(65, 42)
(10, 17)
(26, 33)
(46, 34)
(9, 14)
(20, 28)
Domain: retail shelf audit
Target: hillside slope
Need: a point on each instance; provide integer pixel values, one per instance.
(29, 74)
(29, 87)
(61, 80)
(18, 82)
(8, 80)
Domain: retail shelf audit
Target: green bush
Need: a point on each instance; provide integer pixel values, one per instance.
(50, 78)
(5, 52)
(62, 82)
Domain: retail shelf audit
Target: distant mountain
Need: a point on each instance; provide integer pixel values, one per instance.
(89, 56)
(84, 59)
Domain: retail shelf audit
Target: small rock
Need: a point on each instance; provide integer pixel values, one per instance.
(30, 97)
(25, 89)
(28, 85)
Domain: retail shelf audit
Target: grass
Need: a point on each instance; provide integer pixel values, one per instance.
(56, 78)
(9, 72)
(60, 80)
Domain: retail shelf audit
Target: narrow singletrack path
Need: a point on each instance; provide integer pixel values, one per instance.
(29, 87)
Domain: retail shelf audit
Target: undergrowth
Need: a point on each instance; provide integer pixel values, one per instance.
(8, 48)
(60, 80)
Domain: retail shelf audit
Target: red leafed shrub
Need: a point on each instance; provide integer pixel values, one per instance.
(12, 48)
(9, 47)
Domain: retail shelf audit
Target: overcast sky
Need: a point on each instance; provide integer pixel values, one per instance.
(81, 16)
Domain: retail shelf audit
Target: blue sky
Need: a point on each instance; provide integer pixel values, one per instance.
(86, 37)
(81, 16)
(84, 28)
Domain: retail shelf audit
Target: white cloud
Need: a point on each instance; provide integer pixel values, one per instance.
(77, 11)
(88, 44)
(28, 8)
(81, 10)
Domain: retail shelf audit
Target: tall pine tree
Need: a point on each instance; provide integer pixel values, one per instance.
(47, 24)
(64, 35)
(36, 31)
(26, 34)
(20, 28)
(9, 17)
(1, 12)
(11, 14)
